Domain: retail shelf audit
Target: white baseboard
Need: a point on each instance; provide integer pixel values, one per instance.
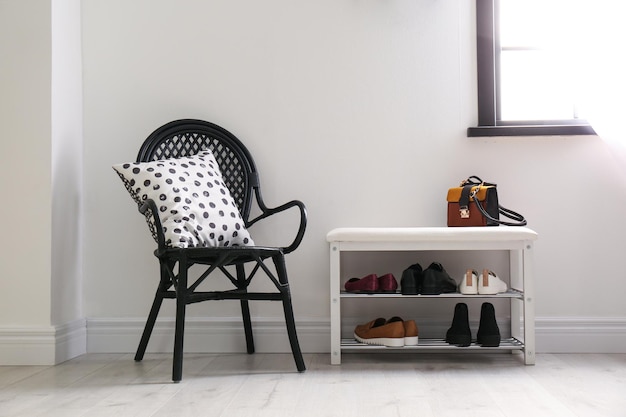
(45, 345)
(553, 335)
(216, 335)
(55, 344)
(580, 335)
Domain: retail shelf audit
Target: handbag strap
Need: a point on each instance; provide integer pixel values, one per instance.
(474, 180)
(464, 201)
(519, 220)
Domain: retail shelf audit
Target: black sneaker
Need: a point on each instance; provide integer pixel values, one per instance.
(459, 333)
(411, 281)
(436, 280)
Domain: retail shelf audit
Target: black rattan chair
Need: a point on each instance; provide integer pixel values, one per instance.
(185, 138)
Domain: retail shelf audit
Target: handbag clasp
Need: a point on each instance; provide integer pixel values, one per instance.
(464, 212)
(476, 190)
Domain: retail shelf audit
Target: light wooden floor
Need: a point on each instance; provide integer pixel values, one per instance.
(364, 385)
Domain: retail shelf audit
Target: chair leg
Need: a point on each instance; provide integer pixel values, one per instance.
(279, 262)
(164, 285)
(181, 305)
(147, 331)
(245, 313)
(293, 336)
(247, 326)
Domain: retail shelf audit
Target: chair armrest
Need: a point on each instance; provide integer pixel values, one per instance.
(303, 219)
(150, 210)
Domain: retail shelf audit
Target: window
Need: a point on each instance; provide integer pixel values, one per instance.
(527, 84)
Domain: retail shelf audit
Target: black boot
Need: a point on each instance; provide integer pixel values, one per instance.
(459, 333)
(488, 332)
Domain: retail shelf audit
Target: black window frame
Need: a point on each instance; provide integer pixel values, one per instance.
(488, 68)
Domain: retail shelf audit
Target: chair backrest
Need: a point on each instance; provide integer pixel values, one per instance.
(187, 137)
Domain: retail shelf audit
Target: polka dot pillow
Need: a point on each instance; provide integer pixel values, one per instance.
(195, 206)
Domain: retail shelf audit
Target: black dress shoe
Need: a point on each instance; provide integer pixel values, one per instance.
(436, 280)
(488, 331)
(459, 333)
(411, 281)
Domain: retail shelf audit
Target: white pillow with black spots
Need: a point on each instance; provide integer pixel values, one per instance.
(195, 206)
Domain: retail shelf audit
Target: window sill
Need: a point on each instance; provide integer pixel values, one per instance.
(530, 130)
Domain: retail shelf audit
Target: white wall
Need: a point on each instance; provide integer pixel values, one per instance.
(41, 320)
(67, 175)
(359, 109)
(25, 168)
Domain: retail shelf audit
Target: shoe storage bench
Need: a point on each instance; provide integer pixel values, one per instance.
(518, 241)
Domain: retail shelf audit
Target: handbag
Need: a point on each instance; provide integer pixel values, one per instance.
(475, 203)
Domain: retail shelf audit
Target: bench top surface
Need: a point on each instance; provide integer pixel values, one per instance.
(419, 234)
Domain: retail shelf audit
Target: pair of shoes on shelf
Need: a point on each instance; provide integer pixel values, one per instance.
(372, 283)
(459, 333)
(431, 281)
(394, 332)
(488, 283)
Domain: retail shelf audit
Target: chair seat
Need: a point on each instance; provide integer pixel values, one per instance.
(229, 256)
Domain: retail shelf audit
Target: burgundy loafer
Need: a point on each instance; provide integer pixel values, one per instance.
(387, 283)
(368, 283)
